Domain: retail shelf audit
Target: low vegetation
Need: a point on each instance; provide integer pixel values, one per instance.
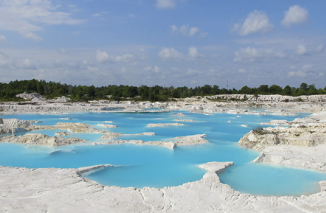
(8, 91)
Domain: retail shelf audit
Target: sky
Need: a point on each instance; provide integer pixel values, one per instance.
(164, 42)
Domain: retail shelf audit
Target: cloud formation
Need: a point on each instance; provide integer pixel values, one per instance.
(193, 53)
(301, 50)
(2, 38)
(256, 22)
(155, 69)
(187, 31)
(103, 57)
(172, 54)
(165, 4)
(251, 54)
(303, 72)
(295, 15)
(25, 17)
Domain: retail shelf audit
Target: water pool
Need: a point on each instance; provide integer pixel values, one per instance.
(141, 166)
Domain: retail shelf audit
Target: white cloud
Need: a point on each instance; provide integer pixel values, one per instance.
(170, 53)
(295, 15)
(298, 73)
(235, 27)
(175, 29)
(193, 31)
(147, 68)
(25, 16)
(102, 56)
(256, 22)
(193, 53)
(5, 60)
(202, 34)
(320, 48)
(187, 31)
(192, 72)
(156, 69)
(251, 54)
(301, 50)
(2, 38)
(165, 4)
(92, 69)
(32, 36)
(123, 58)
(123, 70)
(242, 70)
(303, 72)
(27, 62)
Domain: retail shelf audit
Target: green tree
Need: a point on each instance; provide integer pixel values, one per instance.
(304, 87)
(245, 90)
(312, 90)
(275, 89)
(287, 90)
(263, 89)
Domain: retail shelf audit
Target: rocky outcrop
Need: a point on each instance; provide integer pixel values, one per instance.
(183, 120)
(32, 96)
(270, 98)
(111, 135)
(301, 136)
(216, 167)
(11, 126)
(295, 156)
(108, 125)
(167, 144)
(177, 141)
(76, 128)
(61, 134)
(40, 139)
(16, 123)
(190, 140)
(165, 124)
(62, 99)
(302, 144)
(179, 115)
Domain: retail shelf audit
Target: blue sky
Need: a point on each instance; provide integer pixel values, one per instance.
(164, 42)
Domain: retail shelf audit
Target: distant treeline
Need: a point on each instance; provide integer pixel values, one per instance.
(50, 89)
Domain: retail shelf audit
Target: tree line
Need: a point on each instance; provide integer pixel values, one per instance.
(51, 89)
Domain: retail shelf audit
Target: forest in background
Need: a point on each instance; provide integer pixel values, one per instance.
(49, 90)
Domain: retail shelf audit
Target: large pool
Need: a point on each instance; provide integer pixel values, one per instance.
(140, 166)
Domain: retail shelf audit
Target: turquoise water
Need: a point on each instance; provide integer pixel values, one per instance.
(140, 166)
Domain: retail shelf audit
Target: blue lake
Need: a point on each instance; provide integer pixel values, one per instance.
(141, 166)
